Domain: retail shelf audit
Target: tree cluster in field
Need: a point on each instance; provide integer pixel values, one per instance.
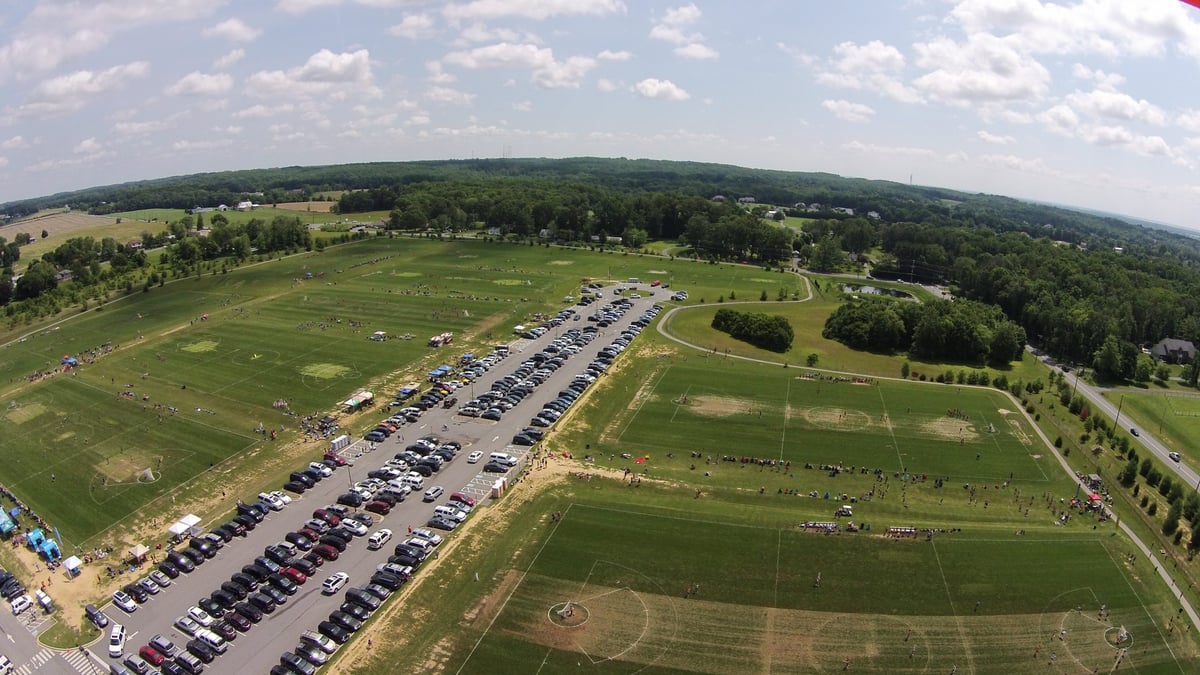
(766, 331)
(962, 331)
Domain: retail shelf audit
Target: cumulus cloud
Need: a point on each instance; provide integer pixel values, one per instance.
(139, 128)
(448, 96)
(263, 111)
(874, 65)
(233, 30)
(1189, 120)
(74, 90)
(848, 111)
(1116, 105)
(606, 85)
(875, 149)
(538, 10)
(324, 73)
(57, 33)
(523, 106)
(414, 27)
(609, 55)
(230, 58)
(1102, 79)
(994, 139)
(201, 84)
(696, 50)
(546, 71)
(193, 146)
(674, 26)
(663, 89)
(982, 69)
(14, 143)
(88, 146)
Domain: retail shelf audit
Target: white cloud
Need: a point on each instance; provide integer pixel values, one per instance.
(672, 26)
(486, 10)
(201, 84)
(234, 30)
(664, 89)
(523, 106)
(437, 75)
(609, 55)
(994, 139)
(193, 146)
(88, 146)
(477, 32)
(799, 55)
(696, 50)
(325, 73)
(229, 59)
(139, 128)
(56, 33)
(902, 150)
(875, 66)
(1189, 120)
(983, 69)
(418, 120)
(73, 91)
(263, 111)
(1060, 119)
(448, 95)
(848, 111)
(14, 143)
(3, 162)
(231, 129)
(1115, 105)
(1102, 79)
(414, 27)
(607, 86)
(546, 71)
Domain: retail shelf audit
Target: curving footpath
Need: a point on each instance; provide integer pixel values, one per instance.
(1184, 603)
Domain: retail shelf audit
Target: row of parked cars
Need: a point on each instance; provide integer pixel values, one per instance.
(442, 393)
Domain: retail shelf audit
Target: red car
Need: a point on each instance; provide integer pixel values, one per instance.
(341, 461)
(463, 499)
(380, 507)
(151, 655)
(656, 283)
(328, 516)
(326, 551)
(294, 574)
(238, 621)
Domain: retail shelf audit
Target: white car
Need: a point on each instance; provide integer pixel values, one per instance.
(116, 641)
(379, 539)
(1174, 456)
(271, 500)
(282, 496)
(121, 599)
(474, 457)
(200, 616)
(356, 528)
(428, 535)
(21, 604)
(321, 468)
(187, 625)
(334, 583)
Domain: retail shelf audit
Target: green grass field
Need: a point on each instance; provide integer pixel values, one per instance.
(272, 334)
(983, 605)
(1173, 418)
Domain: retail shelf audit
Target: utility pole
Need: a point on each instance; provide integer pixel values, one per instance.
(1117, 421)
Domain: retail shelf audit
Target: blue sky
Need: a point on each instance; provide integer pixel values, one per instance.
(1085, 102)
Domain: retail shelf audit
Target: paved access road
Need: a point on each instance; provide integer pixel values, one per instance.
(259, 649)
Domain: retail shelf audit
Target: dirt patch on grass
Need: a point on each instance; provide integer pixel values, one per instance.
(719, 406)
(834, 418)
(20, 414)
(489, 605)
(951, 429)
(561, 262)
(1019, 432)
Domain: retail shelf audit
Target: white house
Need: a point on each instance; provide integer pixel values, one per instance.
(245, 205)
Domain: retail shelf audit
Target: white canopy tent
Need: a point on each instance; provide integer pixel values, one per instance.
(73, 564)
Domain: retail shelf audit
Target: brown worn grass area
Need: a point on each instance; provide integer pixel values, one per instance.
(951, 429)
(719, 406)
(835, 418)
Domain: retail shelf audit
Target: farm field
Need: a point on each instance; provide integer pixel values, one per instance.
(156, 372)
(644, 590)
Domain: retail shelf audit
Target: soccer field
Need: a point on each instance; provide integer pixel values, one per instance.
(638, 591)
(722, 408)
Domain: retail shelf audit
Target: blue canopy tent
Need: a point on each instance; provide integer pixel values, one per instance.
(49, 549)
(6, 523)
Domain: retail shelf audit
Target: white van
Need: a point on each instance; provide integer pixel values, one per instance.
(378, 538)
(420, 543)
(450, 512)
(503, 458)
(21, 604)
(414, 480)
(116, 641)
(212, 640)
(289, 547)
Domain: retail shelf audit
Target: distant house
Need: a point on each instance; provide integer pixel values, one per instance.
(843, 210)
(222, 207)
(746, 200)
(545, 233)
(134, 245)
(800, 205)
(64, 275)
(245, 205)
(200, 209)
(873, 215)
(1173, 350)
(814, 207)
(718, 198)
(494, 231)
(770, 215)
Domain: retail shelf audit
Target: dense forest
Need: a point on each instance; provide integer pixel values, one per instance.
(1084, 287)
